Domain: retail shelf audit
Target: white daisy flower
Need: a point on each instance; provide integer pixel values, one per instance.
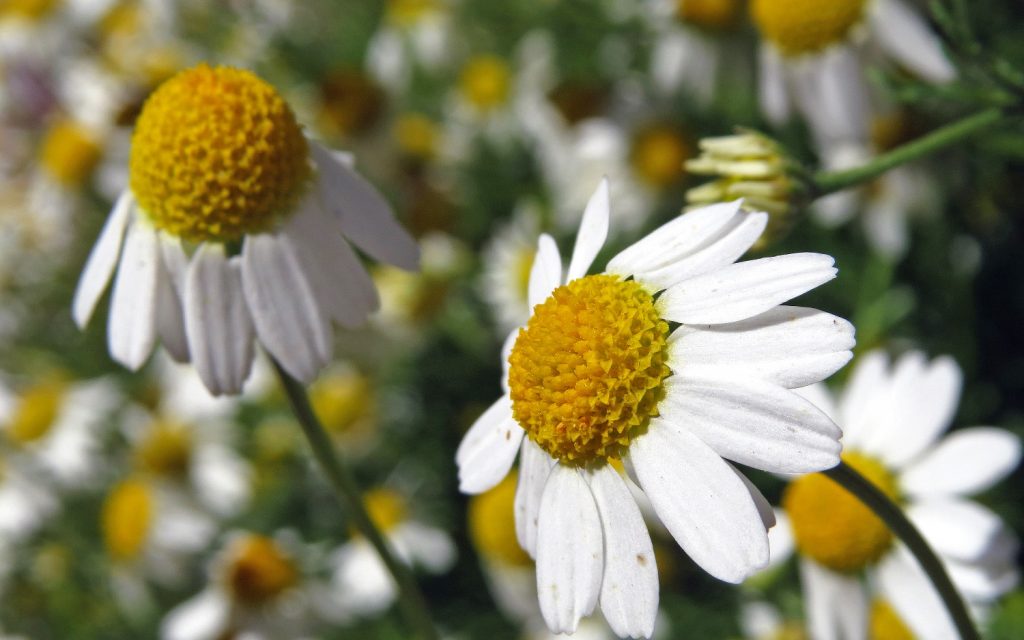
(234, 230)
(361, 583)
(415, 33)
(507, 260)
(596, 375)
(760, 620)
(813, 59)
(893, 418)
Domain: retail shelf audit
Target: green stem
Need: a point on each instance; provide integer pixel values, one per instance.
(347, 493)
(894, 518)
(827, 182)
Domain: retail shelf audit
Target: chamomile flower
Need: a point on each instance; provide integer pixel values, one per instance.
(596, 375)
(893, 417)
(414, 34)
(361, 583)
(813, 59)
(507, 260)
(234, 230)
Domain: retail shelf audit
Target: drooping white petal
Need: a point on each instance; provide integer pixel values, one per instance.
(131, 328)
(836, 605)
(427, 547)
(570, 550)
(984, 582)
(283, 306)
(965, 463)
(771, 84)
(170, 316)
(790, 346)
(366, 218)
(489, 448)
(819, 395)
(764, 508)
(701, 501)
(102, 261)
(903, 584)
(629, 589)
(546, 272)
(534, 468)
(780, 539)
(959, 529)
(752, 422)
(865, 394)
(745, 289)
(220, 331)
(834, 97)
(592, 233)
(907, 37)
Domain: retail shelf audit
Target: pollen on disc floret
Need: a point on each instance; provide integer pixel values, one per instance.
(586, 372)
(217, 153)
(806, 26)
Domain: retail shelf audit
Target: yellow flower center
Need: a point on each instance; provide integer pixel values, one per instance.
(658, 155)
(165, 450)
(586, 373)
(36, 413)
(710, 14)
(485, 82)
(259, 570)
(69, 153)
(28, 9)
(387, 509)
(805, 26)
(126, 519)
(352, 101)
(832, 526)
(886, 624)
(492, 524)
(343, 401)
(416, 135)
(217, 154)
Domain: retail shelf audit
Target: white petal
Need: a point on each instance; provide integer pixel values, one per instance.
(170, 317)
(836, 605)
(428, 547)
(781, 543)
(745, 289)
(546, 272)
(819, 395)
(217, 321)
(958, 529)
(866, 392)
(672, 241)
(764, 508)
(967, 462)
(772, 91)
(570, 551)
(835, 97)
(752, 422)
(907, 589)
(629, 590)
(489, 448)
(701, 501)
(365, 215)
(534, 468)
(907, 37)
(592, 234)
(790, 346)
(204, 617)
(984, 583)
(288, 321)
(102, 260)
(131, 328)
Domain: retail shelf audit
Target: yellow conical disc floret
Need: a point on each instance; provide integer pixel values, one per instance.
(217, 153)
(710, 14)
(258, 570)
(492, 524)
(886, 623)
(586, 373)
(485, 82)
(806, 26)
(127, 516)
(832, 526)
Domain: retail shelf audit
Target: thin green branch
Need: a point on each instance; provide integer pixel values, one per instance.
(347, 493)
(894, 518)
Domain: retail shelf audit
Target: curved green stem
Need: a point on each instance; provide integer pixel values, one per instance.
(894, 518)
(826, 182)
(347, 493)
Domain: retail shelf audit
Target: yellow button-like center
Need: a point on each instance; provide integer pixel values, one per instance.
(658, 155)
(36, 413)
(886, 624)
(216, 154)
(485, 82)
(258, 570)
(69, 153)
(832, 526)
(386, 508)
(126, 519)
(586, 373)
(343, 401)
(710, 14)
(492, 524)
(165, 450)
(417, 135)
(805, 26)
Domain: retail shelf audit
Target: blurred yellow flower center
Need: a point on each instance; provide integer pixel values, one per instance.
(69, 153)
(217, 154)
(886, 624)
(259, 570)
(805, 26)
(36, 413)
(343, 401)
(165, 450)
(485, 82)
(658, 155)
(832, 526)
(126, 519)
(387, 509)
(406, 13)
(416, 135)
(492, 524)
(586, 373)
(33, 9)
(711, 14)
